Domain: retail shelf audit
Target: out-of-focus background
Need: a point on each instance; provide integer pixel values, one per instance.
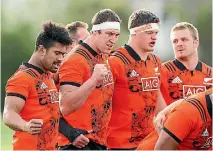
(21, 22)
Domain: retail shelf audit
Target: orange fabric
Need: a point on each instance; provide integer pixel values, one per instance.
(95, 113)
(148, 143)
(181, 83)
(41, 103)
(134, 98)
(188, 129)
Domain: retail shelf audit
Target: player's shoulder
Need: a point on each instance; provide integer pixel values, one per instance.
(120, 55)
(155, 58)
(23, 76)
(194, 104)
(169, 66)
(206, 69)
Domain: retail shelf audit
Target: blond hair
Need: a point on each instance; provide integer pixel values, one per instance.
(185, 25)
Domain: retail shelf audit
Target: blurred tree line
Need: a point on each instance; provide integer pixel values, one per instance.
(21, 23)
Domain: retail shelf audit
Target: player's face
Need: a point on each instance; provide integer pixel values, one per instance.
(107, 39)
(81, 34)
(183, 43)
(147, 40)
(53, 57)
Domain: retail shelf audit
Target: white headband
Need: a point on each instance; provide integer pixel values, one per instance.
(143, 28)
(106, 25)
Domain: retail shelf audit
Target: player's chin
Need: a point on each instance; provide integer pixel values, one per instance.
(53, 70)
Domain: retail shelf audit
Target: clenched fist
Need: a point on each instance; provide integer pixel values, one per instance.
(99, 73)
(34, 126)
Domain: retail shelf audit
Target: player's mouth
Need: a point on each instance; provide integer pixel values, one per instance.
(152, 44)
(110, 45)
(56, 65)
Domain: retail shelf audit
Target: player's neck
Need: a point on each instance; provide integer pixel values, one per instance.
(35, 61)
(89, 40)
(142, 53)
(190, 62)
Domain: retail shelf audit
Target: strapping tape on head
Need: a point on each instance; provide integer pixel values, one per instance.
(106, 25)
(143, 28)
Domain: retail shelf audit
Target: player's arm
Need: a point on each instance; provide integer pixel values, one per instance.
(75, 136)
(13, 105)
(11, 117)
(72, 97)
(17, 90)
(162, 115)
(166, 142)
(176, 128)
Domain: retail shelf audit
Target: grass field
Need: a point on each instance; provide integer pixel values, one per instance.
(6, 137)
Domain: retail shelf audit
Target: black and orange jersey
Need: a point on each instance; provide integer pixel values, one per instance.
(191, 132)
(95, 113)
(179, 82)
(136, 85)
(38, 90)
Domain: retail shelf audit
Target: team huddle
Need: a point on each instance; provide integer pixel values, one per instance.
(78, 93)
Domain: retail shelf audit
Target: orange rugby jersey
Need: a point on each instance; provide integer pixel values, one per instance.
(179, 82)
(134, 99)
(194, 119)
(37, 88)
(95, 113)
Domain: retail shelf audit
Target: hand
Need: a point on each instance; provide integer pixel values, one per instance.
(81, 141)
(99, 73)
(34, 126)
(159, 121)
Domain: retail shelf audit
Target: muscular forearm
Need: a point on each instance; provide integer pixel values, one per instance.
(70, 101)
(14, 121)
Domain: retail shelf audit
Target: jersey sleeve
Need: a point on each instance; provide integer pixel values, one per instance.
(115, 66)
(19, 85)
(72, 70)
(179, 125)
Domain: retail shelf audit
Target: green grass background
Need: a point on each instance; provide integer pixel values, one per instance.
(6, 137)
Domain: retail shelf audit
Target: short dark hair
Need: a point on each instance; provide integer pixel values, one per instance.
(73, 27)
(51, 33)
(105, 15)
(142, 17)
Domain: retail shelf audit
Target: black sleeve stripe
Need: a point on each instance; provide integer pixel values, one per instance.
(172, 135)
(172, 66)
(30, 72)
(167, 66)
(17, 95)
(70, 83)
(199, 106)
(155, 59)
(123, 58)
(209, 70)
(83, 54)
(116, 55)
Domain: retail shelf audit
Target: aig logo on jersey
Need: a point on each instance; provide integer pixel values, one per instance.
(191, 89)
(150, 83)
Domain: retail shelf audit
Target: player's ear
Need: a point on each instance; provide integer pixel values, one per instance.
(196, 43)
(42, 50)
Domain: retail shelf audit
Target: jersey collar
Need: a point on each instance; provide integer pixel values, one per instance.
(133, 54)
(181, 67)
(28, 65)
(85, 45)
